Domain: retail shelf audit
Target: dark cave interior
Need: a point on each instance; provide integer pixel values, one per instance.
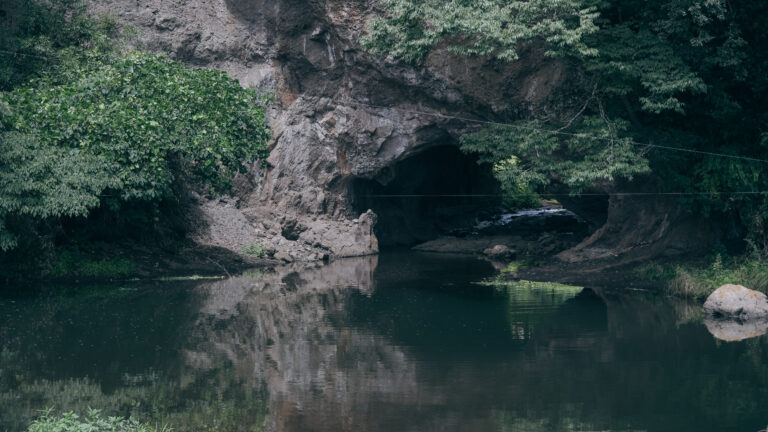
(427, 195)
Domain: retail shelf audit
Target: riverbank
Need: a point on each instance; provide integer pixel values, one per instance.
(104, 262)
(693, 279)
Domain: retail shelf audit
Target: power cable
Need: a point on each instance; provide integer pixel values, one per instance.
(570, 134)
(495, 123)
(566, 195)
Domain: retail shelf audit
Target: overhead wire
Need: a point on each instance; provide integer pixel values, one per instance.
(563, 133)
(523, 127)
(570, 134)
(566, 195)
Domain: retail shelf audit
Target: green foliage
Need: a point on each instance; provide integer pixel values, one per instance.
(254, 274)
(533, 286)
(94, 421)
(72, 263)
(593, 151)
(492, 28)
(698, 282)
(644, 62)
(43, 38)
(42, 182)
(516, 266)
(150, 118)
(254, 250)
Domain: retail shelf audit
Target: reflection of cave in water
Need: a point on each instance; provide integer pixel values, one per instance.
(339, 354)
(419, 348)
(441, 170)
(399, 342)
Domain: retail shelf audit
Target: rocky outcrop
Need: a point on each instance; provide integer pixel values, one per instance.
(338, 115)
(736, 302)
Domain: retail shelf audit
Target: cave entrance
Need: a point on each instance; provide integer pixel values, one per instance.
(427, 195)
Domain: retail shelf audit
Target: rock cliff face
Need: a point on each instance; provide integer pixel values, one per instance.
(345, 125)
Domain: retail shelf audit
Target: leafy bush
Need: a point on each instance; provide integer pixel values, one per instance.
(150, 119)
(41, 182)
(496, 29)
(254, 250)
(594, 151)
(45, 38)
(71, 422)
(70, 263)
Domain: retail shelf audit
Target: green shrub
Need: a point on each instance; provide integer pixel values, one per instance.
(41, 182)
(44, 38)
(93, 422)
(517, 265)
(150, 119)
(254, 274)
(71, 263)
(254, 250)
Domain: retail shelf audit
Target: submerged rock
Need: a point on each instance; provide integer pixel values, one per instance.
(736, 302)
(499, 252)
(735, 330)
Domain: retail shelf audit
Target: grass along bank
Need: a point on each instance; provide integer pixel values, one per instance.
(699, 280)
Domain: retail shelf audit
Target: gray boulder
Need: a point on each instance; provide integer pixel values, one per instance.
(736, 302)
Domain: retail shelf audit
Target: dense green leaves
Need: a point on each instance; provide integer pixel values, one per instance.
(487, 28)
(45, 38)
(94, 421)
(41, 182)
(532, 153)
(144, 114)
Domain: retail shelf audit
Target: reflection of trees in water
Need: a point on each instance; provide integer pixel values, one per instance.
(338, 359)
(403, 359)
(115, 349)
(223, 406)
(421, 350)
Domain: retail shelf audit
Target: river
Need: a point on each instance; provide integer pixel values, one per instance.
(399, 342)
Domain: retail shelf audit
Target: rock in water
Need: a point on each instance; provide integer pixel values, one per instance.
(500, 252)
(736, 302)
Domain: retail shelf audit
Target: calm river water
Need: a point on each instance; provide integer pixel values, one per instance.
(399, 342)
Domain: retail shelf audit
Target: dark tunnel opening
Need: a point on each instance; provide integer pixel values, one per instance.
(427, 195)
